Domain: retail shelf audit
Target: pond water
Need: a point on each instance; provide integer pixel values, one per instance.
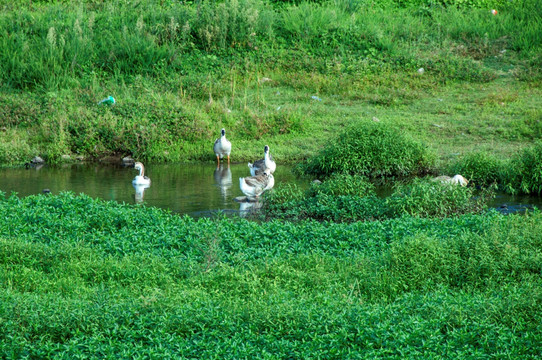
(194, 189)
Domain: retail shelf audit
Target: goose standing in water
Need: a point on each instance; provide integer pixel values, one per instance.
(222, 147)
(140, 179)
(261, 165)
(457, 179)
(254, 186)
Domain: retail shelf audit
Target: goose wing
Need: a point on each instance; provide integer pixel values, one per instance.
(216, 146)
(259, 181)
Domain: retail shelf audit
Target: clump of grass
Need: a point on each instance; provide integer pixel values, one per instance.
(524, 174)
(375, 150)
(427, 198)
(341, 198)
(480, 168)
(13, 148)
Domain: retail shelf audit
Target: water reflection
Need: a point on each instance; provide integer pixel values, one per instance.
(223, 179)
(139, 191)
(247, 208)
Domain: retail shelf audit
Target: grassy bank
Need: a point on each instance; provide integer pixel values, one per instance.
(179, 75)
(92, 279)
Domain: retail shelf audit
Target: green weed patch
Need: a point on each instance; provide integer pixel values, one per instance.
(88, 278)
(370, 149)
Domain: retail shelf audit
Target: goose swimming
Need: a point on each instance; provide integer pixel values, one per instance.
(254, 186)
(222, 147)
(141, 179)
(261, 165)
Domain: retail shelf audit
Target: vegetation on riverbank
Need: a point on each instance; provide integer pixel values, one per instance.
(441, 86)
(378, 151)
(179, 75)
(347, 198)
(94, 279)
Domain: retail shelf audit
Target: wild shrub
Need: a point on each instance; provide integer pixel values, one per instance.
(375, 150)
(525, 172)
(283, 202)
(13, 148)
(427, 198)
(480, 168)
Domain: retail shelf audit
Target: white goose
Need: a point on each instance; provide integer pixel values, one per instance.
(457, 179)
(140, 179)
(261, 165)
(222, 147)
(254, 186)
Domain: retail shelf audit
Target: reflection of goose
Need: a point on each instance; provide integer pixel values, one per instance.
(246, 208)
(457, 179)
(223, 178)
(139, 190)
(259, 166)
(222, 147)
(254, 186)
(141, 179)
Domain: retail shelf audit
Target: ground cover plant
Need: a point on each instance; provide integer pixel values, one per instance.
(87, 278)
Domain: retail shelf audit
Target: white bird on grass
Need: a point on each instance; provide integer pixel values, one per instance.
(261, 165)
(141, 179)
(222, 147)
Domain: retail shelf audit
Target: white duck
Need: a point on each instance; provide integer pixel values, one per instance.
(140, 179)
(254, 186)
(457, 179)
(261, 165)
(222, 147)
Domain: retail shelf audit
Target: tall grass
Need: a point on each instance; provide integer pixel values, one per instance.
(59, 45)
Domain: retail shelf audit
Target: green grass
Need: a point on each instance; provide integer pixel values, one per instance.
(178, 77)
(93, 279)
(83, 278)
(346, 198)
